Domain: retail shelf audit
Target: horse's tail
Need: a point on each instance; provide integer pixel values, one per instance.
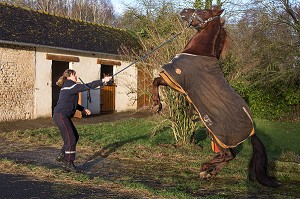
(258, 166)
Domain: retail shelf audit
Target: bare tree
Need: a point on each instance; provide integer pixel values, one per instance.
(284, 11)
(98, 11)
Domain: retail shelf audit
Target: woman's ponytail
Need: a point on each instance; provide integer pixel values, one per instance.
(60, 82)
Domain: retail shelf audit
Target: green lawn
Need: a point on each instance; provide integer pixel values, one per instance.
(279, 137)
(152, 163)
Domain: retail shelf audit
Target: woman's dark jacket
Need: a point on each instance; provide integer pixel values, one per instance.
(68, 97)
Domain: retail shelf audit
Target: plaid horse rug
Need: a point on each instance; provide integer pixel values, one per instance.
(222, 110)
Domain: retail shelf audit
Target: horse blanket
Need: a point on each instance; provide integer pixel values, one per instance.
(222, 110)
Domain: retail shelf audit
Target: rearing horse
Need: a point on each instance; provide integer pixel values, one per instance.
(195, 72)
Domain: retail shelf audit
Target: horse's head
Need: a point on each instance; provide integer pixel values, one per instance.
(215, 34)
(198, 18)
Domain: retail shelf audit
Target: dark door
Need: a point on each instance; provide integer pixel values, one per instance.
(106, 70)
(58, 68)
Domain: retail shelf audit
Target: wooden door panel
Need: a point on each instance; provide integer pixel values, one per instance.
(108, 98)
(144, 87)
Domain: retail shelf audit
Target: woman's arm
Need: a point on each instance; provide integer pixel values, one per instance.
(94, 84)
(81, 108)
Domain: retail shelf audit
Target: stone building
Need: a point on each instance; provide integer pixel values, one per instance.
(36, 47)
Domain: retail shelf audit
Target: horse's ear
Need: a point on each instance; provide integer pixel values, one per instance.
(218, 12)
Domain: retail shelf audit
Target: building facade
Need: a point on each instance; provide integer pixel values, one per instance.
(32, 59)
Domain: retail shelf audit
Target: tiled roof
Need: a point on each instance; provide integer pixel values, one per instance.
(38, 28)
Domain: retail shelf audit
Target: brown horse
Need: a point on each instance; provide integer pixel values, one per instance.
(195, 73)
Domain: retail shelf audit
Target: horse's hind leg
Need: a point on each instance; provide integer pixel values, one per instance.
(229, 155)
(208, 165)
(158, 81)
(213, 167)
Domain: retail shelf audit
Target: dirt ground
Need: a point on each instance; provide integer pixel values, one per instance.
(93, 119)
(22, 186)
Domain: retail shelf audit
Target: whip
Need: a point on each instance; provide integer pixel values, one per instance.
(140, 59)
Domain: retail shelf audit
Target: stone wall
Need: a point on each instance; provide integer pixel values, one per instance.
(17, 79)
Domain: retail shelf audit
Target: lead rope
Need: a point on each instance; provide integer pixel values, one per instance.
(140, 59)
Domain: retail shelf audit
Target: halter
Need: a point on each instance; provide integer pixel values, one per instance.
(202, 22)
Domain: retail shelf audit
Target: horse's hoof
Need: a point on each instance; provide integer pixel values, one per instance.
(205, 175)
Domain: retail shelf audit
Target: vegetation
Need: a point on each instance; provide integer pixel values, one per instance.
(263, 64)
(97, 11)
(181, 118)
(264, 60)
(133, 160)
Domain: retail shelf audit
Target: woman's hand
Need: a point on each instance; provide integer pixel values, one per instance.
(87, 111)
(106, 79)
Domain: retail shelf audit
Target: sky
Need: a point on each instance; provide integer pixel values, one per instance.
(119, 5)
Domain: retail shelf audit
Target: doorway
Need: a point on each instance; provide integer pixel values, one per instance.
(58, 68)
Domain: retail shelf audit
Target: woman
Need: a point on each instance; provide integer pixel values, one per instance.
(65, 109)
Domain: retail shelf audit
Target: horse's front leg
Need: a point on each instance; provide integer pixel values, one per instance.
(158, 81)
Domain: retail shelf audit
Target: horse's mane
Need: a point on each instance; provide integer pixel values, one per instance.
(226, 45)
(227, 40)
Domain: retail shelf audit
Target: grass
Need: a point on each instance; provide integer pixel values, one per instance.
(280, 137)
(139, 161)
